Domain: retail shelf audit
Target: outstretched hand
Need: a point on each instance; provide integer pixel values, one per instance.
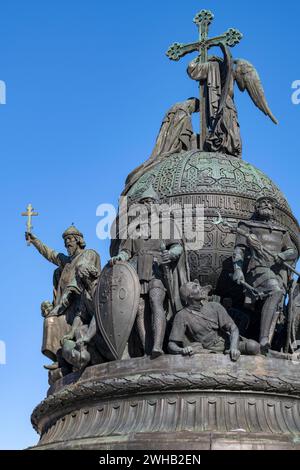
(29, 237)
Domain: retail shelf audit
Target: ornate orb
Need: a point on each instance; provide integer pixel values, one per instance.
(221, 184)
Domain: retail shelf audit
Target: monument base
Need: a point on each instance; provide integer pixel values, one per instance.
(174, 403)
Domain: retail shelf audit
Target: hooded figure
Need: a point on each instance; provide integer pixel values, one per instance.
(176, 135)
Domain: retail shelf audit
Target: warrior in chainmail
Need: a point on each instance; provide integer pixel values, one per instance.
(146, 255)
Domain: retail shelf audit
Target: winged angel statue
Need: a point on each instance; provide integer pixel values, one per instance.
(218, 76)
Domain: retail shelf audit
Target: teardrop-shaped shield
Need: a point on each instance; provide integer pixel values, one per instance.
(116, 304)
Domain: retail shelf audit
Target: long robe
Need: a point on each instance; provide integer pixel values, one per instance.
(58, 326)
(224, 130)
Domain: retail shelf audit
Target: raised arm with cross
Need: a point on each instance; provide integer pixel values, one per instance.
(177, 50)
(29, 213)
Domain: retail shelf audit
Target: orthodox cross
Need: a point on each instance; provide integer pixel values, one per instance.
(231, 38)
(29, 213)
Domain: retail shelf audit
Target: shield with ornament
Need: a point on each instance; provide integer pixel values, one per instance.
(116, 304)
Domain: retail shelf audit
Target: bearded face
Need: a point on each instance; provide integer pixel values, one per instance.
(71, 245)
(265, 210)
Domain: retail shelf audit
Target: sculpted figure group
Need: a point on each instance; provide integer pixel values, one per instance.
(175, 315)
(97, 316)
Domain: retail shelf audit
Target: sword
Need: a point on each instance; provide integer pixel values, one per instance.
(258, 295)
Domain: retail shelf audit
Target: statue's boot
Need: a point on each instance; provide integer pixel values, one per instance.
(264, 345)
(156, 352)
(53, 366)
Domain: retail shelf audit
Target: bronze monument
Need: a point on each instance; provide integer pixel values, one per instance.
(174, 345)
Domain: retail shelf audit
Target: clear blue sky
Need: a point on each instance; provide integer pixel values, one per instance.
(87, 85)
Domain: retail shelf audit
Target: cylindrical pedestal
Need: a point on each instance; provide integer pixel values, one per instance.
(174, 403)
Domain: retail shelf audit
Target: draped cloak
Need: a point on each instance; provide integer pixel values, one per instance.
(55, 327)
(175, 135)
(224, 129)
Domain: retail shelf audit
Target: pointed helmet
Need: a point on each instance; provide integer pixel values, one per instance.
(72, 230)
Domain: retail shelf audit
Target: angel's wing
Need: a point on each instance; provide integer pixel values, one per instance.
(248, 79)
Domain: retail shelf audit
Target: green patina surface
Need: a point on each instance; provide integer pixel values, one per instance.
(196, 172)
